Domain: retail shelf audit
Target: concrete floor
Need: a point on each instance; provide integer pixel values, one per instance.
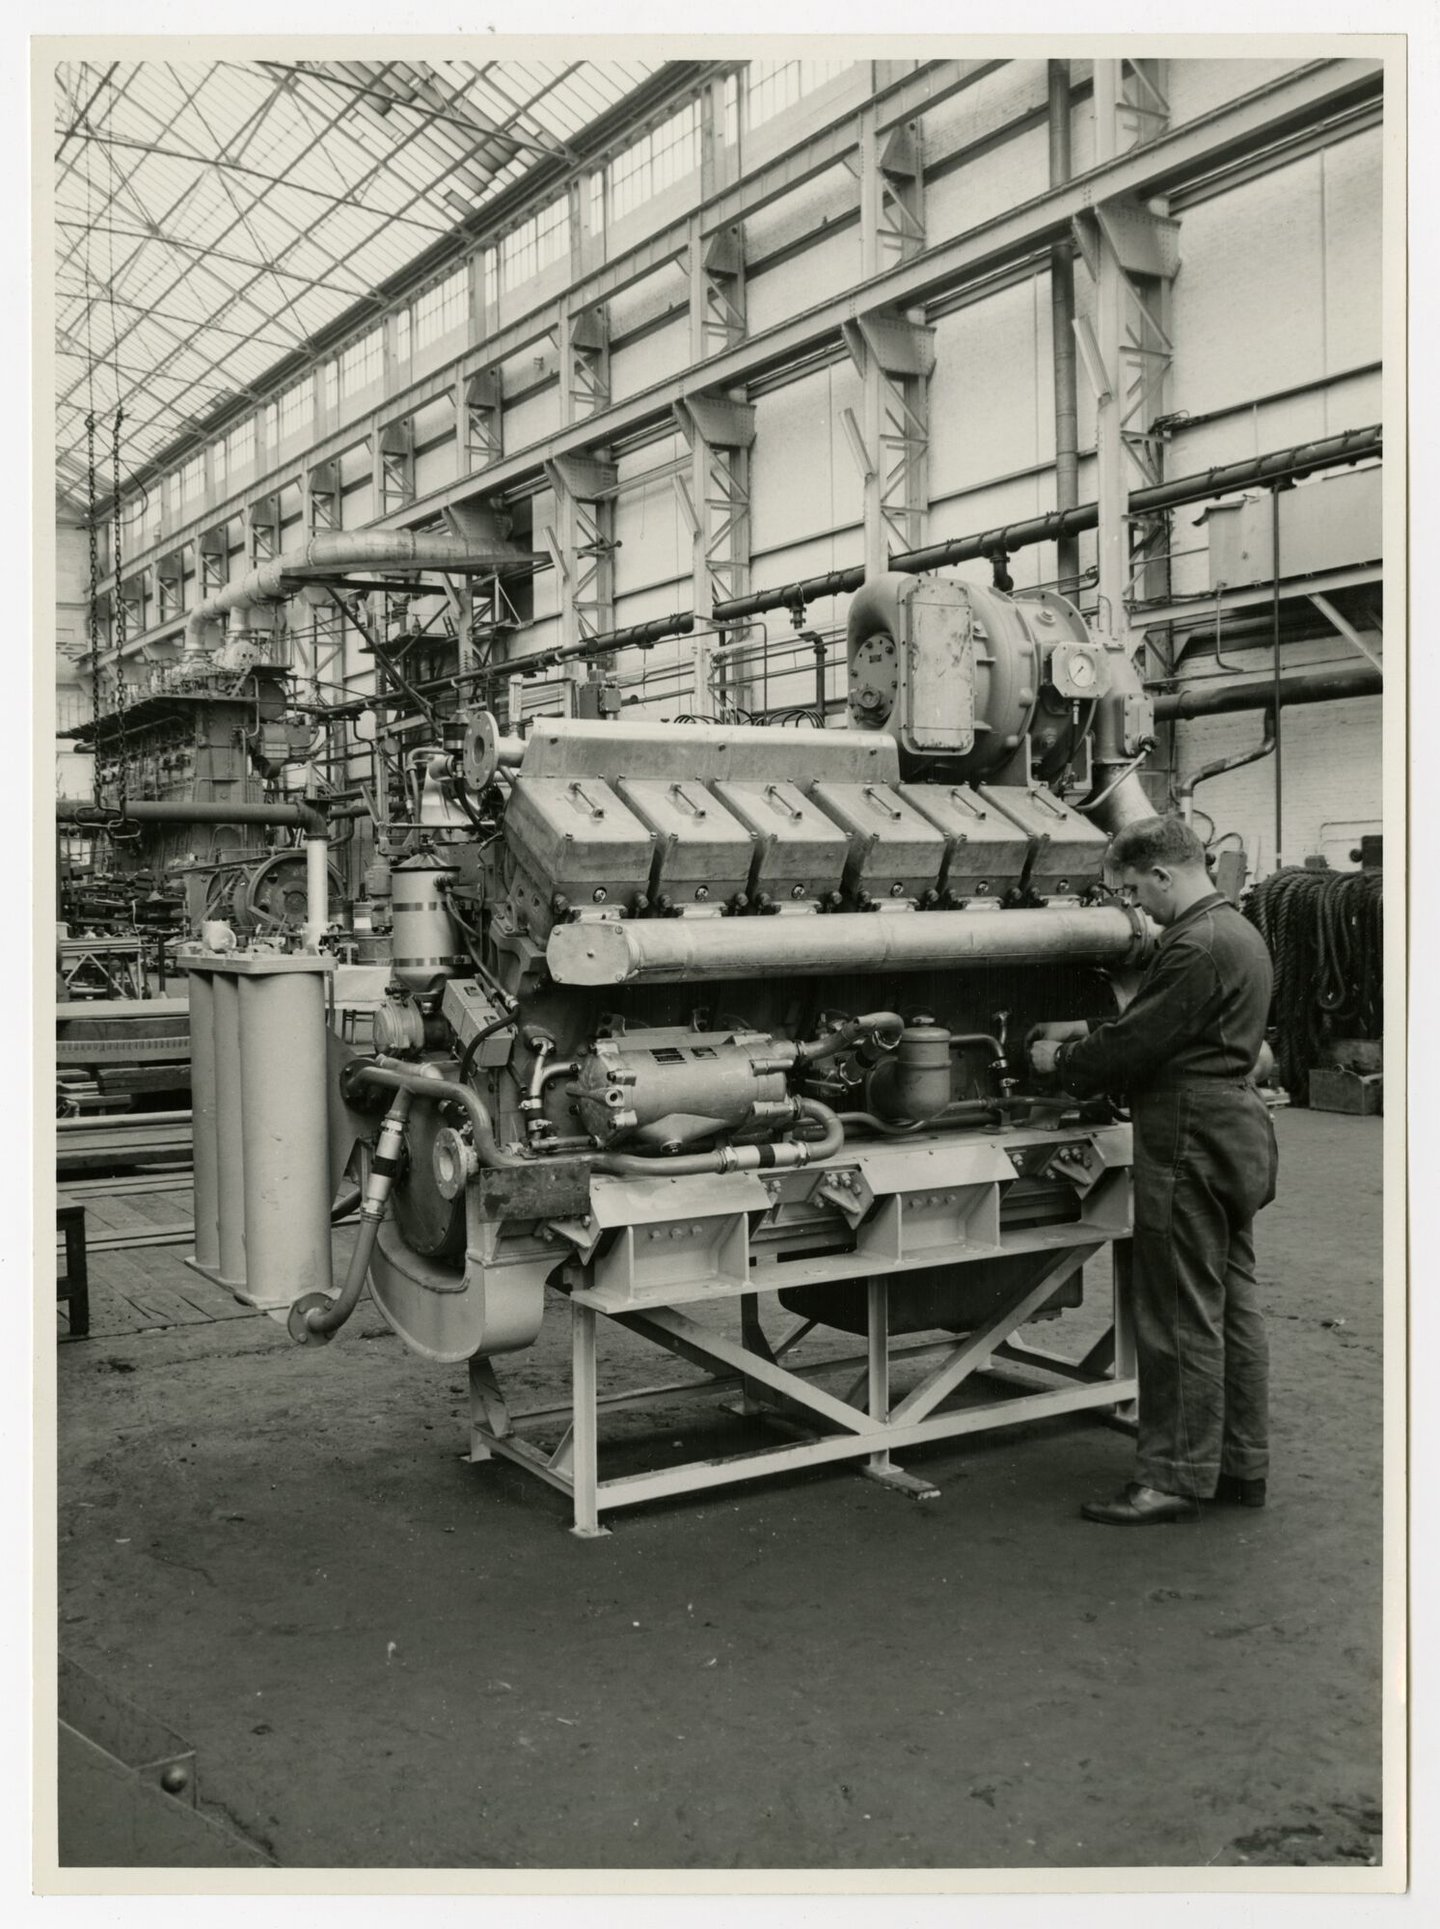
(388, 1658)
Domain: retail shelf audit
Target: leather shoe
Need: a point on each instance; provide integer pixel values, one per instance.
(1141, 1506)
(1232, 1491)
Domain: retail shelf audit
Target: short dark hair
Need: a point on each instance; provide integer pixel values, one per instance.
(1155, 840)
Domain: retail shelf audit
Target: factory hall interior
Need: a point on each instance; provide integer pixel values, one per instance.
(719, 961)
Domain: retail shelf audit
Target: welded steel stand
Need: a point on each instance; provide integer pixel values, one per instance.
(835, 1428)
(879, 1467)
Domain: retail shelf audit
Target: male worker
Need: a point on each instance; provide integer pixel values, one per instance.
(1184, 1053)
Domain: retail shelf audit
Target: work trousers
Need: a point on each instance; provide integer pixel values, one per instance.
(1205, 1163)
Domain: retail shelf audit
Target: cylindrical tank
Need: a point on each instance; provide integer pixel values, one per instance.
(920, 1086)
(203, 1121)
(425, 947)
(229, 1139)
(286, 1143)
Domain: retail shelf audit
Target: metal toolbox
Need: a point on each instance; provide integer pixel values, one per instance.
(703, 853)
(984, 851)
(799, 853)
(895, 854)
(1070, 850)
(576, 839)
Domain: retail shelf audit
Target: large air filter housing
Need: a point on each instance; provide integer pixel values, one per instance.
(963, 677)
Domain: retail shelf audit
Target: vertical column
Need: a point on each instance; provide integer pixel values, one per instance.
(262, 530)
(480, 418)
(582, 545)
(321, 512)
(586, 1454)
(716, 504)
(393, 454)
(893, 351)
(1126, 1364)
(717, 288)
(1062, 334)
(1132, 254)
(878, 1364)
(214, 560)
(1112, 493)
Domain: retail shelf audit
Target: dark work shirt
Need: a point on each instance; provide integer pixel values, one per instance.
(1200, 1010)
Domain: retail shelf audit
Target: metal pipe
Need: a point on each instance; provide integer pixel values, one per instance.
(997, 1050)
(1275, 664)
(680, 950)
(1210, 696)
(1062, 331)
(958, 1113)
(317, 890)
(292, 815)
(734, 1158)
(392, 1075)
(1282, 465)
(1062, 525)
(334, 551)
(849, 1032)
(1186, 788)
(317, 1317)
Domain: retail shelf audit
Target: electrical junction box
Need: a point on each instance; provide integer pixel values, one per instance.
(1333, 522)
(468, 1008)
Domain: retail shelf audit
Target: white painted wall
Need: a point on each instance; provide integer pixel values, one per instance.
(1330, 779)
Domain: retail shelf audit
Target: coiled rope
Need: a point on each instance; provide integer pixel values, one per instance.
(1324, 930)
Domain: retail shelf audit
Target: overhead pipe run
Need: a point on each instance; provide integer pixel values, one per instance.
(1283, 465)
(1062, 331)
(1060, 526)
(1213, 696)
(332, 552)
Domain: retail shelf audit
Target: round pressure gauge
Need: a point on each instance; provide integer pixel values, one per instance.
(1079, 671)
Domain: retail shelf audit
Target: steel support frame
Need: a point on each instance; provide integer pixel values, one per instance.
(1131, 251)
(1289, 106)
(393, 454)
(1104, 1381)
(893, 351)
(581, 543)
(715, 503)
(478, 416)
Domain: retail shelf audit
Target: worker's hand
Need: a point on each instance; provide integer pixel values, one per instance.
(1264, 1067)
(1043, 1053)
(1058, 1031)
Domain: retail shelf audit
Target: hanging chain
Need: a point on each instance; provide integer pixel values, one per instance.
(120, 613)
(94, 597)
